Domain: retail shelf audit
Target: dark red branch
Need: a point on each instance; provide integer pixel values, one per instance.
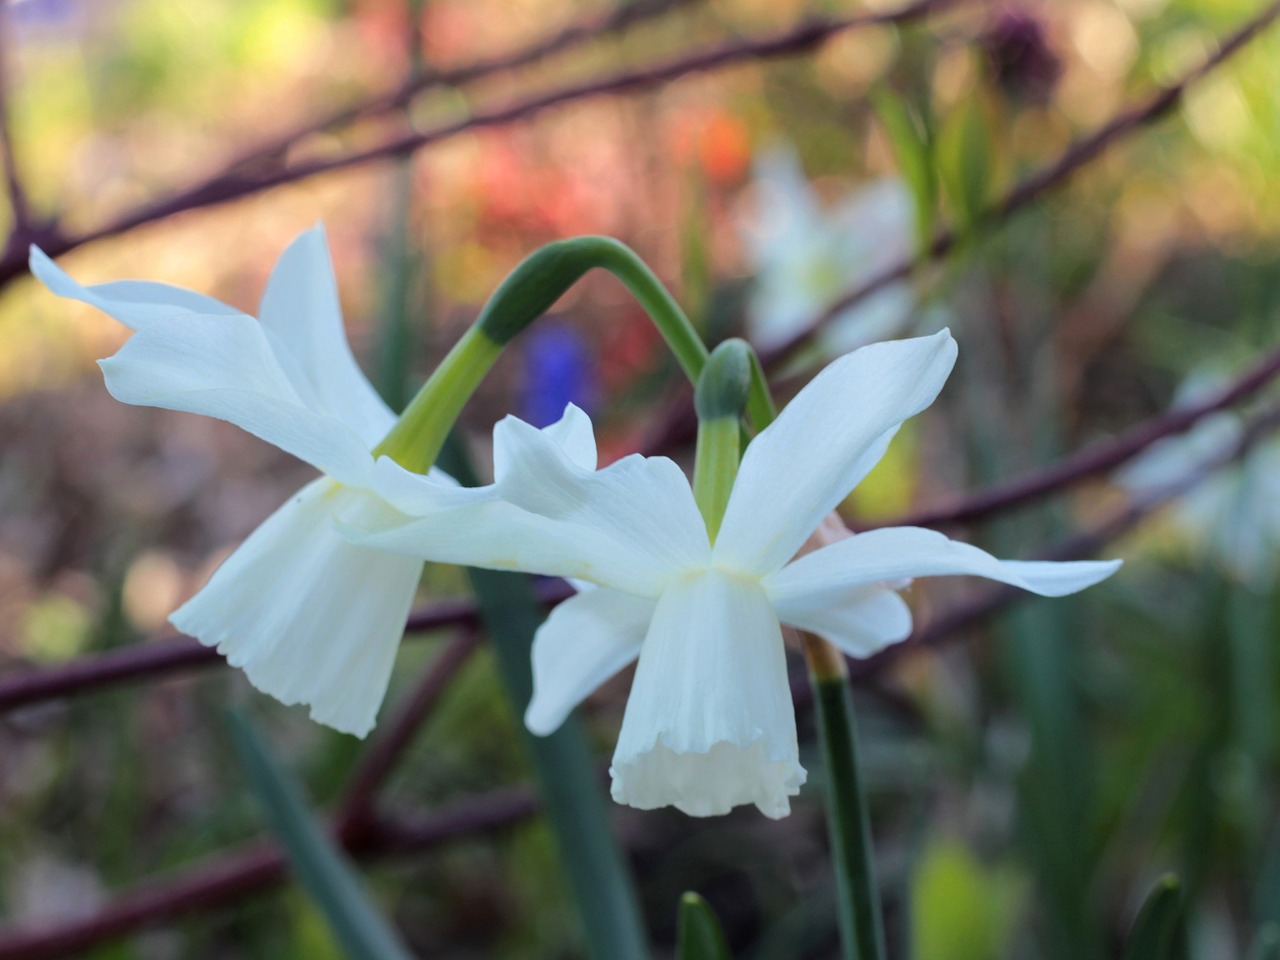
(18, 204)
(227, 878)
(357, 812)
(273, 153)
(232, 185)
(162, 657)
(948, 626)
(1080, 153)
(1092, 461)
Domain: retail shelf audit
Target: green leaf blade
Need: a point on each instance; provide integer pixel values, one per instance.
(325, 873)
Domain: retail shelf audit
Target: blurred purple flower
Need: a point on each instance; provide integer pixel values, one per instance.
(1021, 59)
(557, 372)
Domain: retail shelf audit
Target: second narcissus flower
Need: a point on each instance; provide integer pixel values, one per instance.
(311, 617)
(709, 723)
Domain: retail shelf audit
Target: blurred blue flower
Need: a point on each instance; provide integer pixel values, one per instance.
(557, 372)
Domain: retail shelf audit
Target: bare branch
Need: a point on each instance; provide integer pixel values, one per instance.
(1080, 153)
(357, 812)
(622, 17)
(948, 626)
(18, 203)
(1092, 461)
(227, 878)
(161, 657)
(232, 185)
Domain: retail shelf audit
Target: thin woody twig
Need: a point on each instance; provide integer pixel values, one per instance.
(357, 813)
(1092, 461)
(624, 16)
(947, 627)
(161, 657)
(232, 185)
(1079, 154)
(18, 204)
(228, 878)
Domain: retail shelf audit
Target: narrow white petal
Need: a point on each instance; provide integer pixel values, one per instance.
(222, 367)
(132, 302)
(860, 620)
(644, 504)
(585, 641)
(822, 444)
(709, 724)
(572, 433)
(897, 553)
(632, 526)
(309, 617)
(302, 316)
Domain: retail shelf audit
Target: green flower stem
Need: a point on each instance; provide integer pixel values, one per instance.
(419, 435)
(563, 764)
(858, 897)
(528, 292)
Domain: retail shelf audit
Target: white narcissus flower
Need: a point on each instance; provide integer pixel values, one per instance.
(709, 723)
(805, 257)
(310, 617)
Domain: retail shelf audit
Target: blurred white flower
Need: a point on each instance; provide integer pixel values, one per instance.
(806, 257)
(1233, 515)
(709, 724)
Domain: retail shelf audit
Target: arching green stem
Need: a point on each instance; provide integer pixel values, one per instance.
(527, 293)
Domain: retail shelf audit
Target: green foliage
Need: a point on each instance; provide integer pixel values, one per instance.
(324, 872)
(699, 936)
(960, 909)
(913, 148)
(1157, 932)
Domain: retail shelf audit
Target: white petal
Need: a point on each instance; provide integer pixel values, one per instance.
(709, 724)
(132, 302)
(632, 526)
(860, 620)
(309, 617)
(303, 320)
(222, 367)
(895, 553)
(822, 444)
(585, 641)
(572, 433)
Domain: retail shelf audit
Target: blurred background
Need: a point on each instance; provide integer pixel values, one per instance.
(1030, 775)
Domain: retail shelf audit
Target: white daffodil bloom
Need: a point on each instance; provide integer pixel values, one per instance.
(310, 617)
(1234, 513)
(805, 257)
(709, 723)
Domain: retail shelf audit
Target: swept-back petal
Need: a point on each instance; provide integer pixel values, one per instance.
(860, 620)
(898, 553)
(572, 433)
(709, 724)
(822, 444)
(632, 526)
(132, 302)
(308, 616)
(585, 641)
(222, 367)
(302, 316)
